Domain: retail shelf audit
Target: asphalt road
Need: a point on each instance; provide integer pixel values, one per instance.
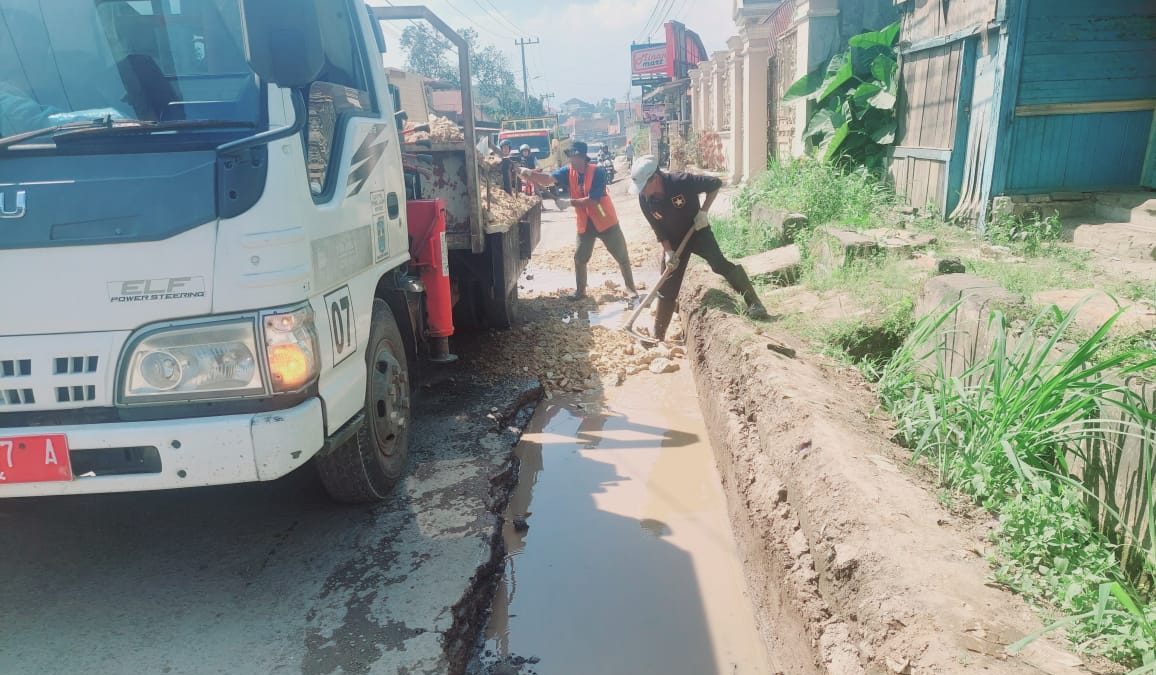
(269, 578)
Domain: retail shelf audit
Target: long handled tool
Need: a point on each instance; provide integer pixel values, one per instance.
(650, 297)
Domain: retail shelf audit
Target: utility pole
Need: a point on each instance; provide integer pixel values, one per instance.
(546, 97)
(522, 42)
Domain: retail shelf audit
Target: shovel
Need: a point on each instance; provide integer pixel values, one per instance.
(650, 297)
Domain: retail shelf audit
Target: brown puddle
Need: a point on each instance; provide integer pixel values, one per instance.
(628, 564)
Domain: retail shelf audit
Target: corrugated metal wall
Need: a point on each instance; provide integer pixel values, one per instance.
(938, 70)
(973, 163)
(1085, 96)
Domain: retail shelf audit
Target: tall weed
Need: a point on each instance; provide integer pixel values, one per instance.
(823, 192)
(1004, 431)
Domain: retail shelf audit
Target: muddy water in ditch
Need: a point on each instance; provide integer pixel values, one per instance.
(628, 564)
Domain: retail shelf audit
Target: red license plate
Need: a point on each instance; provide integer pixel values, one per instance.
(34, 459)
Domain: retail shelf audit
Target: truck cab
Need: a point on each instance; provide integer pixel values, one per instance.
(212, 272)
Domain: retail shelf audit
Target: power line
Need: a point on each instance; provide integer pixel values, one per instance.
(650, 18)
(679, 14)
(506, 19)
(664, 13)
(497, 22)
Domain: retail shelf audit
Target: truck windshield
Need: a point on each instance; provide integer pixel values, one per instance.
(64, 62)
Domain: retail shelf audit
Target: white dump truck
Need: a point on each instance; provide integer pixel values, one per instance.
(213, 265)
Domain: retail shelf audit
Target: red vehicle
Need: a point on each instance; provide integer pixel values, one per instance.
(537, 132)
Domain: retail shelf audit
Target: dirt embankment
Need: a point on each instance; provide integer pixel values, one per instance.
(853, 565)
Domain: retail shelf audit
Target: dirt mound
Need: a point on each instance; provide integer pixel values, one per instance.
(853, 565)
(643, 254)
(557, 344)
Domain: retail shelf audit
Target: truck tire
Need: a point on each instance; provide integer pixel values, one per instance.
(366, 468)
(502, 313)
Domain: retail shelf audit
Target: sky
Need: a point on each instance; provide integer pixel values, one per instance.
(585, 44)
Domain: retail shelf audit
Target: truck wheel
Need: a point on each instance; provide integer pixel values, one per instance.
(368, 466)
(502, 313)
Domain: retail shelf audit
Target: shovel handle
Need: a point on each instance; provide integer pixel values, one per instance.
(629, 327)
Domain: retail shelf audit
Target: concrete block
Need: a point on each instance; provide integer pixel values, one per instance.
(833, 249)
(966, 335)
(779, 267)
(901, 243)
(1070, 196)
(784, 224)
(1002, 207)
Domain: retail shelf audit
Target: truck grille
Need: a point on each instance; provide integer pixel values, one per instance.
(57, 372)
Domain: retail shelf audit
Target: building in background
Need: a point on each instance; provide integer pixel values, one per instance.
(1010, 98)
(738, 92)
(411, 93)
(662, 70)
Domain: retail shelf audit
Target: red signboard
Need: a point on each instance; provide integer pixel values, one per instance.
(34, 459)
(648, 60)
(658, 63)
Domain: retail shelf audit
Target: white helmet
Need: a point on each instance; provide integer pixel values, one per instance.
(525, 147)
(644, 167)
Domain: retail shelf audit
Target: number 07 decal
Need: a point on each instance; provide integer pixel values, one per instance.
(342, 324)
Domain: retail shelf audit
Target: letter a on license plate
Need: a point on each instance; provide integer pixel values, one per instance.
(34, 459)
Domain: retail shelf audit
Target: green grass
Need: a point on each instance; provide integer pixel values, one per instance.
(738, 238)
(1063, 271)
(825, 193)
(1007, 431)
(1033, 236)
(1004, 431)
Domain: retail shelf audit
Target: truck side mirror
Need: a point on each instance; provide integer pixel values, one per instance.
(285, 43)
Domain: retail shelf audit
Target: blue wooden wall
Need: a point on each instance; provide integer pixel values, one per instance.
(1078, 152)
(1086, 66)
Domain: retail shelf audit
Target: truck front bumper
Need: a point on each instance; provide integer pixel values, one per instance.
(181, 453)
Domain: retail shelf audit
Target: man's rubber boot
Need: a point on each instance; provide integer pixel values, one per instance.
(739, 281)
(662, 317)
(628, 279)
(579, 282)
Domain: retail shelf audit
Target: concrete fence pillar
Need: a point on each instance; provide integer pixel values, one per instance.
(696, 101)
(756, 56)
(718, 106)
(735, 103)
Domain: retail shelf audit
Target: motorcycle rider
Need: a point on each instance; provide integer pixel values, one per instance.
(528, 159)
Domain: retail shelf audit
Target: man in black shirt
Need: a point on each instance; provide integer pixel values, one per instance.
(670, 202)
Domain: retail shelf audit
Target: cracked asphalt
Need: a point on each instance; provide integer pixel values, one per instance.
(271, 578)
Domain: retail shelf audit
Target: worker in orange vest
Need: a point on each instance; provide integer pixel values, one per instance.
(596, 216)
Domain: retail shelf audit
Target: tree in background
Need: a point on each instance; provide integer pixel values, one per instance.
(495, 85)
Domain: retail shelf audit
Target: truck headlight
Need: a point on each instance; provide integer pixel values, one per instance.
(192, 362)
(291, 349)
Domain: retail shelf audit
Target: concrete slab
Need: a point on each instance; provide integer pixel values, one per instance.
(1128, 241)
(778, 267)
(784, 224)
(901, 243)
(833, 249)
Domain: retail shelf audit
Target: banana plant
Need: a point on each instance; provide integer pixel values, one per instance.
(854, 94)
